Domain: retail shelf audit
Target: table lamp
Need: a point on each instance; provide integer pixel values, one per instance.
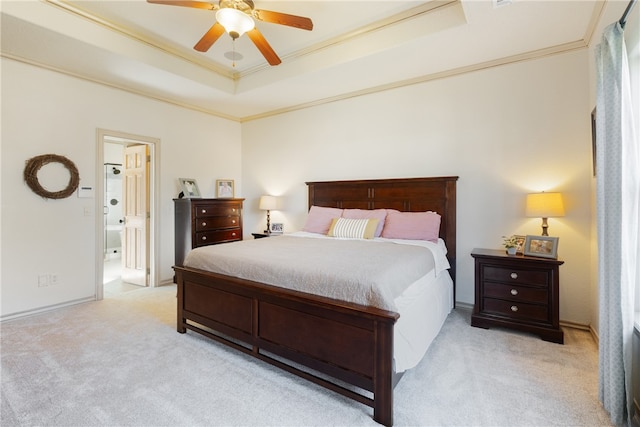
(268, 203)
(544, 205)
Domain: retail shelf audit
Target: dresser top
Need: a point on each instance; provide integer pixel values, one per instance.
(200, 199)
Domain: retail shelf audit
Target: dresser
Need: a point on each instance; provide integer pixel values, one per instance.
(518, 292)
(202, 222)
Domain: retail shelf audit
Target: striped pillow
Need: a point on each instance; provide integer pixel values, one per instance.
(353, 228)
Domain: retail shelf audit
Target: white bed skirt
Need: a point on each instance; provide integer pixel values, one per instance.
(423, 308)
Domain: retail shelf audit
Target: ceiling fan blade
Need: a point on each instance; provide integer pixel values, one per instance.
(193, 4)
(283, 19)
(263, 46)
(209, 38)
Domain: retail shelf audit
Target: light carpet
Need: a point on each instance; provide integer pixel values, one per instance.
(120, 362)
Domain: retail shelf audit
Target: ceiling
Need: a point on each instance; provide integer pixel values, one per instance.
(355, 47)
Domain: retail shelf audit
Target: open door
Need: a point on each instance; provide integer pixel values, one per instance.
(135, 235)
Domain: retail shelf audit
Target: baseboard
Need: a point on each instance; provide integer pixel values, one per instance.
(33, 312)
(575, 325)
(464, 306)
(563, 323)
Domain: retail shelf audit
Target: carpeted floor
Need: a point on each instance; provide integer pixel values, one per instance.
(120, 362)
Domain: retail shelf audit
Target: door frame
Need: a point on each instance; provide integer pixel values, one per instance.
(102, 136)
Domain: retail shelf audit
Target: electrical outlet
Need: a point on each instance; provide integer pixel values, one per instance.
(53, 279)
(43, 280)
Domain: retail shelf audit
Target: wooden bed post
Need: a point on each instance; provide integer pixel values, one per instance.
(383, 381)
(180, 296)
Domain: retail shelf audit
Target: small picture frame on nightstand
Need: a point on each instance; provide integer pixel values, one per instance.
(520, 244)
(541, 246)
(277, 228)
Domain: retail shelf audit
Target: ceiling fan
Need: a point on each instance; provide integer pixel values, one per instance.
(236, 17)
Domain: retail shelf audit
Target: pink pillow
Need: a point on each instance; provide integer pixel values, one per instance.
(379, 214)
(319, 219)
(412, 225)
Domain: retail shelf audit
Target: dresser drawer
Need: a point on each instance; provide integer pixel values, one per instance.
(516, 310)
(515, 275)
(516, 293)
(216, 222)
(205, 210)
(218, 236)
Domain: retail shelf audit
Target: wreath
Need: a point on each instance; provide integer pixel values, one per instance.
(31, 176)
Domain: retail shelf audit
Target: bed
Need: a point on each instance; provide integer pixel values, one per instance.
(345, 346)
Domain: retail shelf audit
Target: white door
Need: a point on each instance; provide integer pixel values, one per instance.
(135, 195)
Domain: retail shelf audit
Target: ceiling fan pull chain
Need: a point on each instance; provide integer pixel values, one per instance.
(233, 48)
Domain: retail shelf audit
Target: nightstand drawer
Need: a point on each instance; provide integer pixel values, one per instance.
(211, 237)
(515, 275)
(516, 310)
(516, 293)
(216, 222)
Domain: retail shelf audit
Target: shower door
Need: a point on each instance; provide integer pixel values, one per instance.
(112, 210)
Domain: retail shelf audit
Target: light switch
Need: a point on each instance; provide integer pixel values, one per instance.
(85, 192)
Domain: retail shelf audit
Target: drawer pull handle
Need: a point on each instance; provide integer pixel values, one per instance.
(204, 224)
(514, 308)
(204, 211)
(514, 275)
(514, 292)
(233, 221)
(204, 237)
(233, 234)
(233, 210)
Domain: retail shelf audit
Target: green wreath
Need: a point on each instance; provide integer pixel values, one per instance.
(31, 176)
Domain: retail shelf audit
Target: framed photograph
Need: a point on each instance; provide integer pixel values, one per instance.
(189, 188)
(520, 244)
(541, 246)
(277, 228)
(224, 188)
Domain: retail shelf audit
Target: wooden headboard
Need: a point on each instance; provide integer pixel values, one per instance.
(406, 194)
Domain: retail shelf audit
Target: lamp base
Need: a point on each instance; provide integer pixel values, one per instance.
(268, 230)
(545, 226)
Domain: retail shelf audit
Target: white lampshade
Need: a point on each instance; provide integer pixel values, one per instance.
(544, 205)
(234, 21)
(268, 203)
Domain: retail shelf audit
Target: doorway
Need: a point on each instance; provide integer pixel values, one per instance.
(125, 212)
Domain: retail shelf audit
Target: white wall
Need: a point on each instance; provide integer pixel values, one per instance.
(47, 112)
(504, 131)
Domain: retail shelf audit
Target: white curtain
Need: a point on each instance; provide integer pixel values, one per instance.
(618, 204)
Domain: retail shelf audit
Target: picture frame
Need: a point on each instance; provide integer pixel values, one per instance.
(541, 246)
(225, 189)
(277, 228)
(190, 189)
(520, 244)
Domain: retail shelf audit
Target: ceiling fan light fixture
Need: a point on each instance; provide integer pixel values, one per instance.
(235, 22)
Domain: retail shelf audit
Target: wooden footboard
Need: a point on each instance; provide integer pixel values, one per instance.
(334, 344)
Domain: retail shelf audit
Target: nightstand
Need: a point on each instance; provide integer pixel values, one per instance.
(518, 292)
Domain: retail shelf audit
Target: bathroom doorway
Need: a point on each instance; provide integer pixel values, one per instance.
(113, 218)
(127, 227)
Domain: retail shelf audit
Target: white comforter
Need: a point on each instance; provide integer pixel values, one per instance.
(367, 272)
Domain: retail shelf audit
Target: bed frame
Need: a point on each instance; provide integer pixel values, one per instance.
(345, 347)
